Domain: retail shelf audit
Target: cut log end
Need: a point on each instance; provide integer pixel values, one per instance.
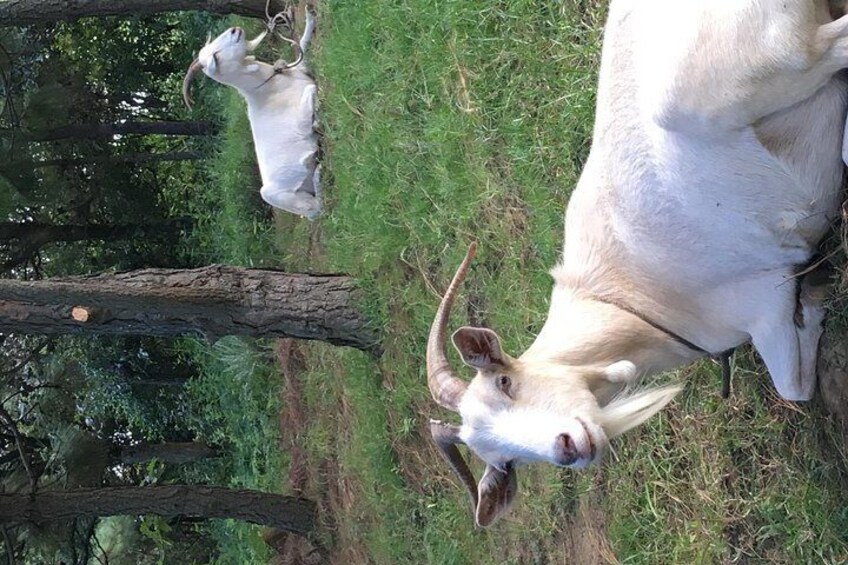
(80, 314)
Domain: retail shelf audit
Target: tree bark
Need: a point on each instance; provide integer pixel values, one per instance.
(292, 514)
(174, 453)
(134, 158)
(213, 301)
(25, 12)
(38, 234)
(99, 131)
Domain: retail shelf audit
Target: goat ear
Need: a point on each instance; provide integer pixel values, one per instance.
(480, 348)
(623, 372)
(495, 494)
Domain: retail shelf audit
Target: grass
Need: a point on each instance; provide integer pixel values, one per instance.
(469, 120)
(752, 477)
(230, 229)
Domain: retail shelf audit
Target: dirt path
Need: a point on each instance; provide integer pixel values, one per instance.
(833, 378)
(292, 549)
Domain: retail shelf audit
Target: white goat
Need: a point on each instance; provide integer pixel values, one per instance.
(715, 169)
(280, 106)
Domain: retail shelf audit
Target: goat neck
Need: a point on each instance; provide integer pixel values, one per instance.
(582, 330)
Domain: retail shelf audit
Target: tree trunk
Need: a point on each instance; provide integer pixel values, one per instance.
(99, 131)
(287, 513)
(30, 237)
(175, 453)
(25, 12)
(158, 383)
(213, 301)
(134, 158)
(37, 234)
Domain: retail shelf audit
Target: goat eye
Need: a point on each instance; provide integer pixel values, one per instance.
(504, 383)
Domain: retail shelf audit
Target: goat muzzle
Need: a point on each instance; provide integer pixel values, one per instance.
(192, 70)
(446, 388)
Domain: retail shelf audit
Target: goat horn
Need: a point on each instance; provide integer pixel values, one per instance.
(446, 389)
(446, 436)
(298, 53)
(254, 43)
(192, 70)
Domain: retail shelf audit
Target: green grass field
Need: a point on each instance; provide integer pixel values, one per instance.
(458, 121)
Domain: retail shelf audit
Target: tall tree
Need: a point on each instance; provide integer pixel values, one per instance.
(21, 242)
(25, 12)
(175, 453)
(32, 236)
(214, 301)
(99, 131)
(288, 513)
(132, 158)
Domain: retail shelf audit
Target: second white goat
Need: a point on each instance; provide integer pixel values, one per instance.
(280, 105)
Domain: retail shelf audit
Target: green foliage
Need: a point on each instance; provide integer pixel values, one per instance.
(156, 529)
(94, 71)
(113, 391)
(118, 541)
(234, 403)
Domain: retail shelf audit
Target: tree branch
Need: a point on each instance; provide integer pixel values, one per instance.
(10, 547)
(10, 423)
(27, 359)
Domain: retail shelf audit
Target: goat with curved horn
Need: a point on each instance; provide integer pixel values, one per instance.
(281, 110)
(711, 178)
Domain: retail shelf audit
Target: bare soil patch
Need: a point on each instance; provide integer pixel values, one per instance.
(585, 540)
(833, 379)
(320, 481)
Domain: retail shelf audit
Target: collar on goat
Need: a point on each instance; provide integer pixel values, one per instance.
(281, 68)
(723, 357)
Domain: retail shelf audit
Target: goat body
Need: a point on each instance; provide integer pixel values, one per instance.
(281, 107)
(716, 167)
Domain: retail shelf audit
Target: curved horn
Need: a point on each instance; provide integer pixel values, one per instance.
(254, 43)
(192, 70)
(298, 54)
(446, 436)
(446, 389)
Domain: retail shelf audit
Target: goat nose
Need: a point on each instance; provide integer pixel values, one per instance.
(567, 449)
